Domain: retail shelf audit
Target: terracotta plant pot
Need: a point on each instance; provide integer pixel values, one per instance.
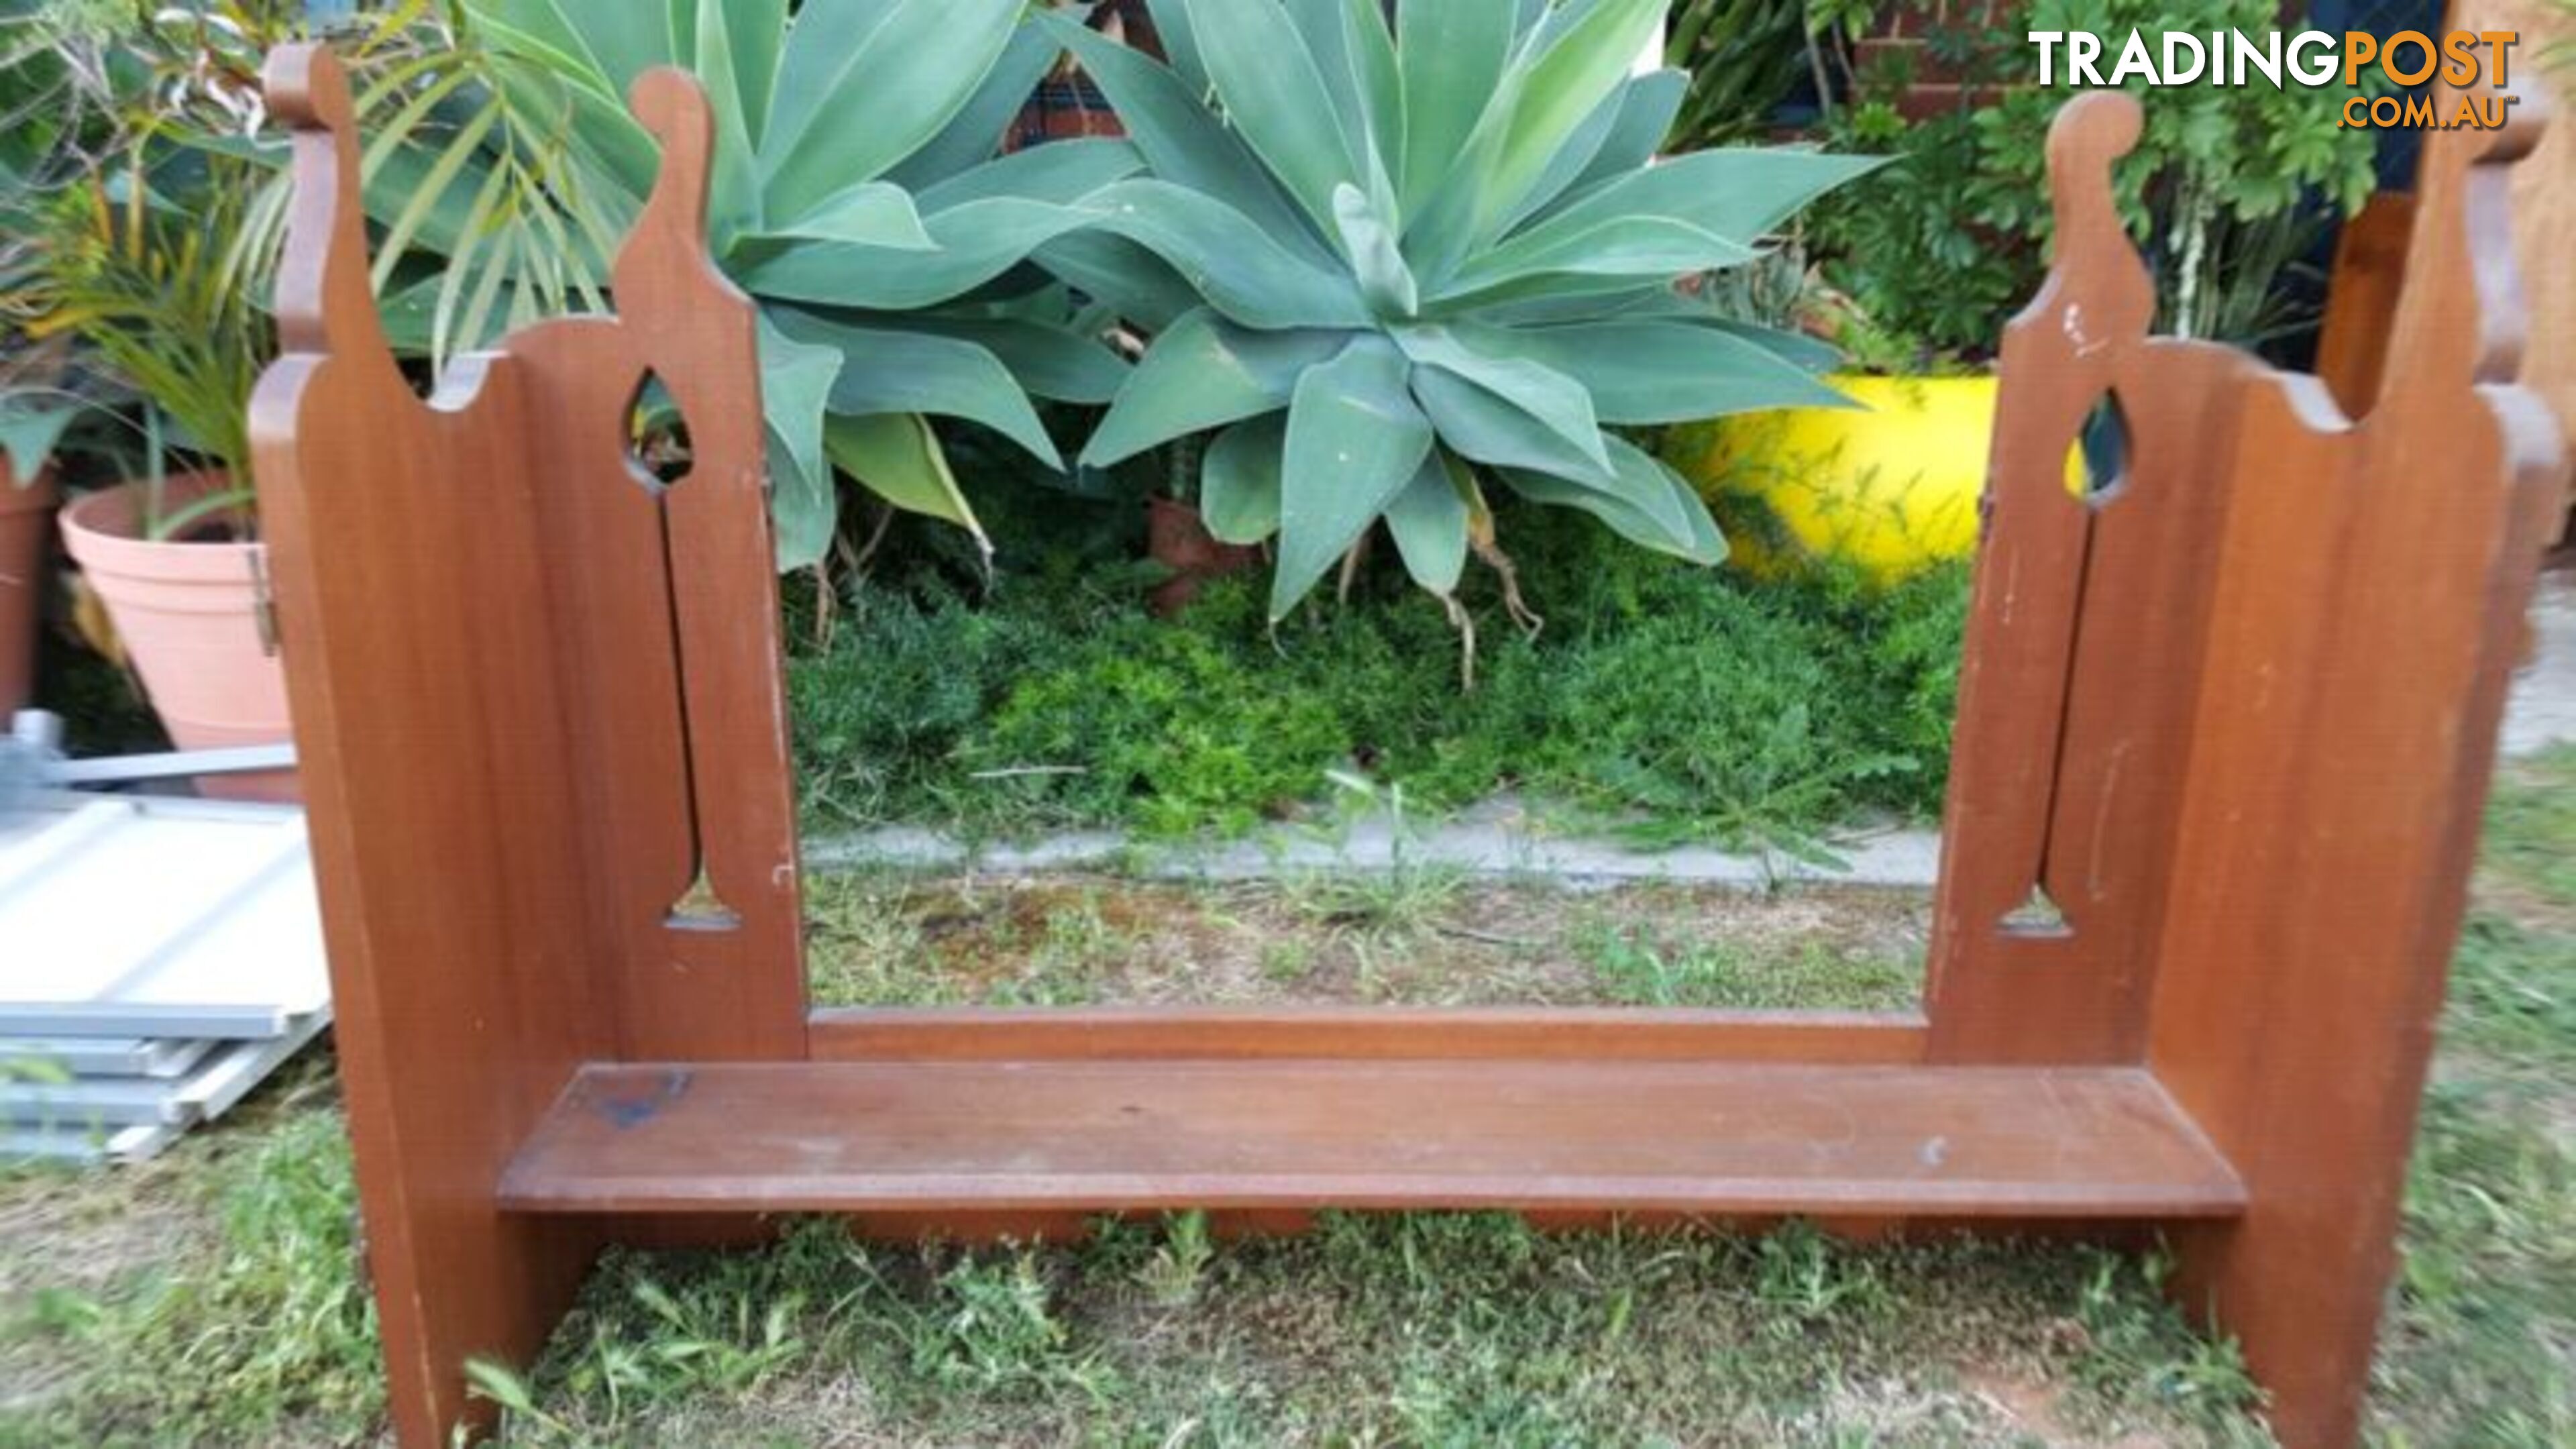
(1177, 538)
(190, 617)
(24, 514)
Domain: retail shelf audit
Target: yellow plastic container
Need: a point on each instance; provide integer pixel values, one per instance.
(1890, 486)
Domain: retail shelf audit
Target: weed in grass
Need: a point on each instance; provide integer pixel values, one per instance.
(1178, 1268)
(1397, 901)
(993, 1328)
(1287, 960)
(862, 947)
(1433, 1329)
(878, 720)
(1639, 967)
(1162, 728)
(259, 1332)
(2481, 1343)
(1803, 1279)
(1404, 896)
(2137, 1353)
(2530, 842)
(2513, 1000)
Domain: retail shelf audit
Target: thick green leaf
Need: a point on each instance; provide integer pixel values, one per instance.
(1181, 139)
(1653, 371)
(1697, 539)
(1571, 160)
(1429, 523)
(751, 34)
(1740, 194)
(1561, 300)
(1624, 246)
(981, 223)
(880, 80)
(1376, 74)
(1452, 54)
(1618, 137)
(28, 432)
(1647, 106)
(1060, 172)
(1180, 41)
(1481, 425)
(971, 245)
(1319, 24)
(890, 371)
(1370, 244)
(872, 213)
(1276, 98)
(732, 47)
(1050, 361)
(1131, 281)
(1203, 372)
(1239, 480)
(1233, 263)
(1645, 480)
(1809, 354)
(1553, 89)
(1354, 439)
(1494, 361)
(976, 131)
(795, 386)
(898, 458)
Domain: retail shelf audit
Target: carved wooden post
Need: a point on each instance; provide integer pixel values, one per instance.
(512, 687)
(2371, 582)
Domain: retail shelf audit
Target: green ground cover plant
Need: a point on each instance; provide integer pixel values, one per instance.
(1660, 698)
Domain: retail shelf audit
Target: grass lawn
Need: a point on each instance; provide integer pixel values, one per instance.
(1414, 938)
(210, 1297)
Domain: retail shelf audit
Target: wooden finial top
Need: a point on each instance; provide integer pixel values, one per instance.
(2094, 270)
(307, 88)
(2460, 318)
(324, 301)
(665, 256)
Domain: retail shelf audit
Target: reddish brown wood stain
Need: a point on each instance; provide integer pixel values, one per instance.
(2234, 720)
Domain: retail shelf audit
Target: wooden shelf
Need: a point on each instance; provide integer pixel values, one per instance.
(1100, 1136)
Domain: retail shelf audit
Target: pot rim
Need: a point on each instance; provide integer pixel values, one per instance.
(99, 533)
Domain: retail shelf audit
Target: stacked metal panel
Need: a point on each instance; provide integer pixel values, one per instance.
(158, 958)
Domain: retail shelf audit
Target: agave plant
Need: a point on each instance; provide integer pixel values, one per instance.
(855, 195)
(1394, 262)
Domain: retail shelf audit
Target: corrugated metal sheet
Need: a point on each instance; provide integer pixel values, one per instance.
(140, 916)
(158, 958)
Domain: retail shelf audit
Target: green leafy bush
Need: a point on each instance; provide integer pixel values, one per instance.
(1744, 57)
(1166, 726)
(877, 722)
(1716, 715)
(1381, 259)
(1662, 697)
(1941, 246)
